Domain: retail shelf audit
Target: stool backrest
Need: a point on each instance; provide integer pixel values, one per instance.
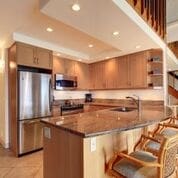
(167, 155)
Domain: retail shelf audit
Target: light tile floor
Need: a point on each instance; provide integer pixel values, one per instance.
(29, 166)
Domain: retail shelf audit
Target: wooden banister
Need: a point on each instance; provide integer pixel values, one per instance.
(173, 92)
(174, 47)
(153, 12)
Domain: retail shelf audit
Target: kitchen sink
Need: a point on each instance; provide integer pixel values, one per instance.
(124, 109)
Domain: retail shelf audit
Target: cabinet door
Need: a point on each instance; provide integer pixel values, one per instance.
(138, 70)
(101, 75)
(93, 77)
(44, 58)
(82, 73)
(97, 73)
(26, 55)
(69, 67)
(58, 65)
(122, 75)
(110, 74)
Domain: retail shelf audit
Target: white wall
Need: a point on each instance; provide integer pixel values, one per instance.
(121, 94)
(111, 94)
(62, 95)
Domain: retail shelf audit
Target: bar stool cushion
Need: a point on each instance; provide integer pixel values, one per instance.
(151, 145)
(131, 170)
(169, 132)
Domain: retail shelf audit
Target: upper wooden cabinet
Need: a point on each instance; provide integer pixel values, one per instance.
(138, 70)
(97, 75)
(63, 66)
(82, 73)
(122, 72)
(28, 55)
(72, 68)
(69, 67)
(110, 74)
(125, 72)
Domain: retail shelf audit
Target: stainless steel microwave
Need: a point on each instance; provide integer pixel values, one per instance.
(65, 82)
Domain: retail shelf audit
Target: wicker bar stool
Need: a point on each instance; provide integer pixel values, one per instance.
(143, 164)
(163, 130)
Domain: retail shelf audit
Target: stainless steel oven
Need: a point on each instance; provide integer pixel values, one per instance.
(65, 82)
(72, 109)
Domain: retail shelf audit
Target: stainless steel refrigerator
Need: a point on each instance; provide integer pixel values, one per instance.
(34, 103)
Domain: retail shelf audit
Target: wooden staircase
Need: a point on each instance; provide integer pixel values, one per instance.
(153, 12)
(172, 91)
(174, 47)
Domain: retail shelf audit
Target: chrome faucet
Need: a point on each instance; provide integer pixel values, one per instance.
(137, 101)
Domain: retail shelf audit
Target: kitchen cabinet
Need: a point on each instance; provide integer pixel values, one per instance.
(63, 66)
(111, 74)
(82, 73)
(32, 56)
(26, 55)
(155, 69)
(97, 75)
(122, 72)
(58, 65)
(138, 70)
(72, 68)
(125, 72)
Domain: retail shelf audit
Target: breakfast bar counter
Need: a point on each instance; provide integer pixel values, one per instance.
(80, 145)
(106, 121)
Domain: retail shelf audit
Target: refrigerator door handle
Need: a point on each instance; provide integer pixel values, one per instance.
(50, 95)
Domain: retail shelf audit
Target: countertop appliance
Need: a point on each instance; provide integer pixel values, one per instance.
(65, 82)
(35, 101)
(69, 109)
(88, 97)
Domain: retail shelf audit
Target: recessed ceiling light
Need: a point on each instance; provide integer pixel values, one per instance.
(76, 7)
(138, 46)
(115, 33)
(90, 46)
(58, 54)
(49, 29)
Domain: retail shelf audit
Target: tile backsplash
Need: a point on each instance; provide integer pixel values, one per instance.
(145, 94)
(64, 95)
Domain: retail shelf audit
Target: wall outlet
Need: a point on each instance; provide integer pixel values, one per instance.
(47, 132)
(93, 144)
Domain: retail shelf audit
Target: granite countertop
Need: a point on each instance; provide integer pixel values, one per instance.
(106, 121)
